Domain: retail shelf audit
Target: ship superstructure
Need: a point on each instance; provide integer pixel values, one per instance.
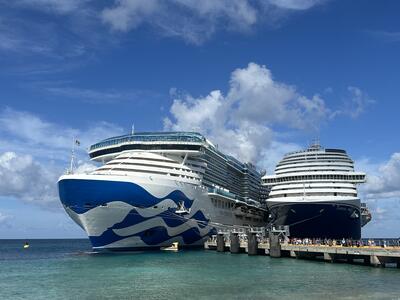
(314, 191)
(156, 188)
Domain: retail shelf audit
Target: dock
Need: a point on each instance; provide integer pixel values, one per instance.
(252, 244)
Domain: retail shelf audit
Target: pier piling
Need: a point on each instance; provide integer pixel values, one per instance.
(275, 246)
(329, 257)
(235, 243)
(220, 242)
(252, 246)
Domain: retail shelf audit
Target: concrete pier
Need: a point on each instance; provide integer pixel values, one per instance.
(372, 256)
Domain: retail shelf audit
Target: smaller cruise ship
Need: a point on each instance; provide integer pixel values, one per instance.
(314, 192)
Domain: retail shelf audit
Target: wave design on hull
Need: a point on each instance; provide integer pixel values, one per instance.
(82, 195)
(155, 230)
(115, 211)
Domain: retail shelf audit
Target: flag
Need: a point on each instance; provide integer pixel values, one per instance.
(77, 142)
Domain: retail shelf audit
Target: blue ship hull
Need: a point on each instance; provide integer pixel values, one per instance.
(113, 212)
(319, 220)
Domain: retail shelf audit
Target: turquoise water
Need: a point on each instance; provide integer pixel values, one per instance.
(62, 269)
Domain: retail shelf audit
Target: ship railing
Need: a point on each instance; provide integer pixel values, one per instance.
(222, 192)
(155, 138)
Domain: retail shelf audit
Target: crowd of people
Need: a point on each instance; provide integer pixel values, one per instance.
(342, 242)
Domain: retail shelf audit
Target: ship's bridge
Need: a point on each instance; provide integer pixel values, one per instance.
(171, 142)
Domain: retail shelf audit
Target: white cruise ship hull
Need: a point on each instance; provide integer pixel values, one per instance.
(141, 212)
(332, 219)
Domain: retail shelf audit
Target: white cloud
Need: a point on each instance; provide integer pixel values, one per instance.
(260, 98)
(275, 152)
(382, 194)
(85, 167)
(196, 21)
(24, 129)
(383, 179)
(354, 104)
(32, 181)
(129, 14)
(251, 121)
(242, 122)
(26, 179)
(35, 152)
(295, 4)
(196, 114)
(68, 45)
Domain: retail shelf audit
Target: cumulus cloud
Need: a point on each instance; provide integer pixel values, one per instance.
(35, 152)
(23, 129)
(383, 179)
(32, 181)
(260, 98)
(196, 21)
(250, 121)
(382, 194)
(26, 179)
(242, 121)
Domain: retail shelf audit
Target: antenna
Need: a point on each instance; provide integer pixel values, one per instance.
(133, 128)
(315, 143)
(72, 164)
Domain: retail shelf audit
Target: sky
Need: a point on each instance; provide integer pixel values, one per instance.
(259, 78)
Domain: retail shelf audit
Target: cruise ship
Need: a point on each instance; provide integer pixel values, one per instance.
(157, 188)
(314, 192)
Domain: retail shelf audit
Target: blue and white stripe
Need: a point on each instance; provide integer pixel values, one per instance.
(119, 214)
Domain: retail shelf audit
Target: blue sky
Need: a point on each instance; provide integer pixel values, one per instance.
(259, 78)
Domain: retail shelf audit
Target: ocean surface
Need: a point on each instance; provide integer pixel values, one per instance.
(66, 269)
